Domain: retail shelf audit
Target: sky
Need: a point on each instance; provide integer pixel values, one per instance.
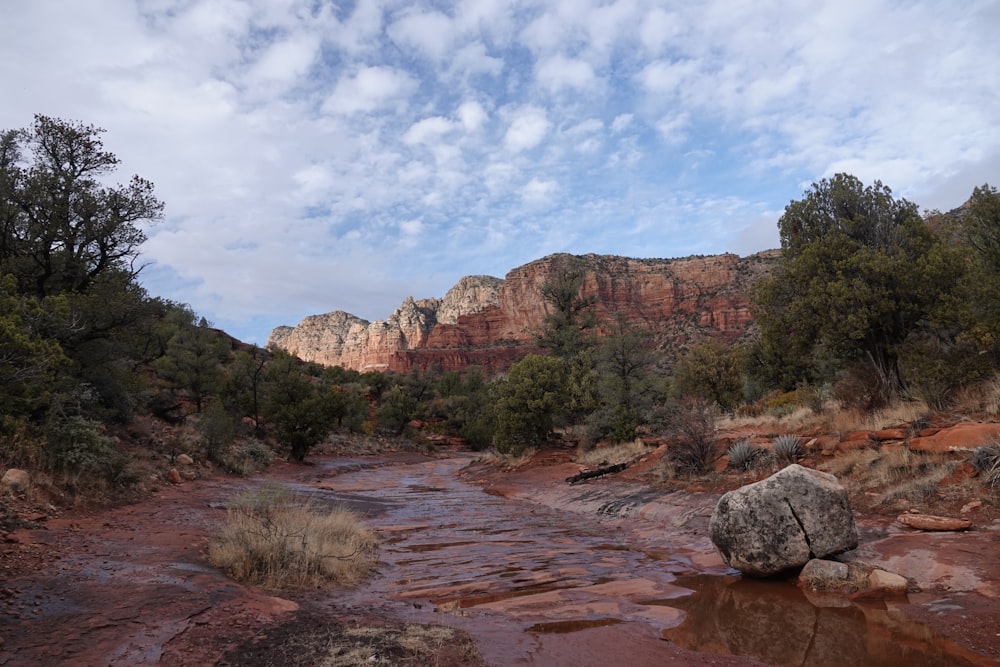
(321, 155)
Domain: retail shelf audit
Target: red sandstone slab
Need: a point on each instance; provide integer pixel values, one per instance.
(932, 522)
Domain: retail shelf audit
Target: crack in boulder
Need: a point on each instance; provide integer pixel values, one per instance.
(805, 533)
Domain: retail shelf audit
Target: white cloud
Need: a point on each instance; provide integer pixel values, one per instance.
(428, 130)
(672, 127)
(385, 146)
(370, 89)
(527, 128)
(538, 190)
(429, 33)
(559, 73)
(472, 115)
(621, 122)
(286, 61)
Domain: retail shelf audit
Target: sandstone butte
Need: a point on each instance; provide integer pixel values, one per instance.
(491, 323)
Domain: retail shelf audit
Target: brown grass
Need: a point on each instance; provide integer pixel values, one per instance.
(276, 540)
(890, 479)
(981, 398)
(831, 419)
(610, 455)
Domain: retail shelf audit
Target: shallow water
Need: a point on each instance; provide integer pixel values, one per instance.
(538, 585)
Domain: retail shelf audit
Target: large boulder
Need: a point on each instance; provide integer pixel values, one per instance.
(783, 521)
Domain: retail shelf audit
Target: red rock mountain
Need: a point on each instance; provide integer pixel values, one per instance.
(492, 323)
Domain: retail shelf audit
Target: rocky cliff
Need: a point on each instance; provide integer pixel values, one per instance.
(491, 323)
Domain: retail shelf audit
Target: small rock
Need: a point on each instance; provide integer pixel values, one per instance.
(890, 583)
(174, 477)
(932, 522)
(824, 575)
(15, 480)
(968, 507)
(184, 460)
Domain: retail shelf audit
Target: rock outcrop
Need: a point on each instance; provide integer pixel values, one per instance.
(492, 323)
(782, 522)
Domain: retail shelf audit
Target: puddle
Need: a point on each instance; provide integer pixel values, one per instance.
(563, 627)
(775, 622)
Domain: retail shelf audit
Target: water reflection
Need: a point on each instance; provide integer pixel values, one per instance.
(775, 622)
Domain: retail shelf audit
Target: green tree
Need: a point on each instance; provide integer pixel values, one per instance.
(398, 407)
(243, 388)
(626, 387)
(860, 271)
(713, 371)
(30, 363)
(982, 231)
(567, 327)
(61, 226)
(527, 403)
(301, 410)
(193, 361)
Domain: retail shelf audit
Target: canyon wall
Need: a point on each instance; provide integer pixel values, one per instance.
(491, 323)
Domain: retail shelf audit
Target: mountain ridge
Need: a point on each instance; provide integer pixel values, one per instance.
(492, 323)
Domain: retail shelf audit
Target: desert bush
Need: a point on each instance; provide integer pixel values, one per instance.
(277, 540)
(859, 388)
(691, 423)
(744, 455)
(986, 460)
(787, 448)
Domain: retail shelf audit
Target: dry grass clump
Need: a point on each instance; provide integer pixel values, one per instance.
(389, 647)
(886, 477)
(277, 540)
(610, 455)
(979, 398)
(904, 412)
(800, 419)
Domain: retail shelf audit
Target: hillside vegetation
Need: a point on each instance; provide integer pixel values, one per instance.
(103, 386)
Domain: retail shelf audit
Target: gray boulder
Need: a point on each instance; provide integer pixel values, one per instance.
(782, 522)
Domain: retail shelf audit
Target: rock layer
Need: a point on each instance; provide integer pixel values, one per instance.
(491, 323)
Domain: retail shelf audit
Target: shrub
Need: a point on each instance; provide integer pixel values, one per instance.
(787, 448)
(744, 455)
(691, 424)
(986, 460)
(276, 540)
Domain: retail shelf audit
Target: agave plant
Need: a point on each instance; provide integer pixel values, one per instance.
(744, 455)
(787, 448)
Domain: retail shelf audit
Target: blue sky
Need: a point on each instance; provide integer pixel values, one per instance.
(318, 156)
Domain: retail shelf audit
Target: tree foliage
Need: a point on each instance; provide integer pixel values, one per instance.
(301, 410)
(626, 386)
(527, 403)
(567, 326)
(61, 227)
(713, 371)
(860, 271)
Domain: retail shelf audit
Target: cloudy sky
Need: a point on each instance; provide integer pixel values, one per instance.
(319, 155)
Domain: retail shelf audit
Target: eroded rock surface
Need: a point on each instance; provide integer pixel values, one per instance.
(783, 521)
(492, 323)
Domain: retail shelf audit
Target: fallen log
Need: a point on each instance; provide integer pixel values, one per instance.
(597, 472)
